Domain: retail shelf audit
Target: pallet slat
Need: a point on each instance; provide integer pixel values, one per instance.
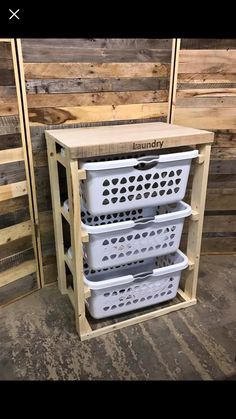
(17, 272)
(13, 190)
(94, 70)
(15, 232)
(11, 155)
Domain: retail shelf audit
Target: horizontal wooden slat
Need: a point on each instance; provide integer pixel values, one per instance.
(78, 85)
(7, 93)
(12, 172)
(8, 108)
(225, 138)
(214, 245)
(219, 223)
(5, 49)
(16, 252)
(221, 200)
(206, 93)
(102, 55)
(94, 70)
(7, 77)
(15, 232)
(11, 205)
(223, 166)
(9, 124)
(13, 190)
(96, 113)
(16, 217)
(218, 245)
(207, 78)
(218, 200)
(207, 102)
(204, 43)
(206, 118)
(18, 289)
(66, 45)
(97, 98)
(10, 141)
(17, 272)
(96, 50)
(207, 61)
(226, 153)
(11, 155)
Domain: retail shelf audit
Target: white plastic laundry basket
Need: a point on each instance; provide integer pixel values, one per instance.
(124, 184)
(141, 284)
(128, 236)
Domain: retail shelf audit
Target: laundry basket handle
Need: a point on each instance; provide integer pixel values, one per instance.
(144, 220)
(146, 163)
(143, 275)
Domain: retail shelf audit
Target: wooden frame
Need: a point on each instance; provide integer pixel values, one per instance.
(21, 188)
(84, 142)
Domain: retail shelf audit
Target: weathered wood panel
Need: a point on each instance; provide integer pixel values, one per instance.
(75, 115)
(16, 289)
(89, 70)
(17, 256)
(83, 82)
(97, 98)
(206, 98)
(96, 50)
(83, 85)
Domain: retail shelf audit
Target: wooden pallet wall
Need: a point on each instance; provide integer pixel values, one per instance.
(18, 264)
(74, 82)
(206, 98)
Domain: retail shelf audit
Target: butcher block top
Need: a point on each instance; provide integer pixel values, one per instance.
(116, 139)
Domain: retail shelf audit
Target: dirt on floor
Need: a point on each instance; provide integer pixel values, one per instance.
(39, 340)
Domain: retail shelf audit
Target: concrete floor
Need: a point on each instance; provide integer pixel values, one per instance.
(39, 342)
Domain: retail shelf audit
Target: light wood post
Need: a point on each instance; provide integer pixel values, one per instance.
(198, 198)
(57, 218)
(73, 181)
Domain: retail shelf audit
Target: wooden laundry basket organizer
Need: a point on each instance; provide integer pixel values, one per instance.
(80, 143)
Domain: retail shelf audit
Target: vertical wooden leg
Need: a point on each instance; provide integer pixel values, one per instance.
(72, 174)
(198, 199)
(57, 218)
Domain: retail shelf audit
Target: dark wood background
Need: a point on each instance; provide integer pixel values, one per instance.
(206, 98)
(74, 82)
(83, 82)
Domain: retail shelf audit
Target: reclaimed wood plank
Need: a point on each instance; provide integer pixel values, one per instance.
(13, 190)
(73, 115)
(206, 93)
(17, 272)
(207, 102)
(76, 85)
(94, 70)
(10, 141)
(97, 98)
(207, 61)
(50, 46)
(13, 204)
(12, 172)
(206, 118)
(18, 289)
(204, 43)
(14, 259)
(16, 217)
(15, 232)
(11, 155)
(102, 50)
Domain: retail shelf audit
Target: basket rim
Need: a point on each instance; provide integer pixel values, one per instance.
(109, 283)
(118, 164)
